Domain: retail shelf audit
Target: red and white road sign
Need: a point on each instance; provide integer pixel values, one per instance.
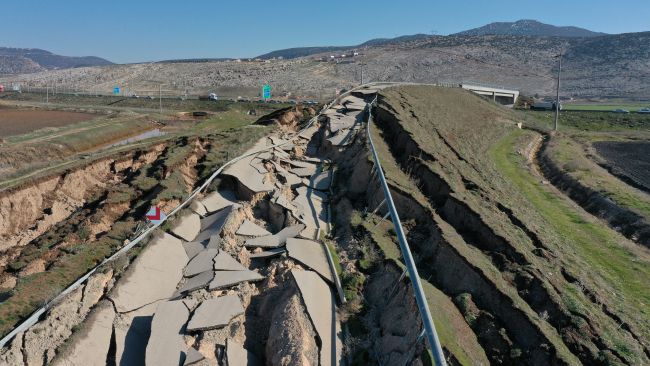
(337, 92)
(155, 215)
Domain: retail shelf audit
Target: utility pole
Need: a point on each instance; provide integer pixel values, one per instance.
(557, 98)
(160, 97)
(47, 88)
(362, 64)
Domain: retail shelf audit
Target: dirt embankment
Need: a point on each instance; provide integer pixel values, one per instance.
(506, 290)
(628, 223)
(287, 118)
(57, 228)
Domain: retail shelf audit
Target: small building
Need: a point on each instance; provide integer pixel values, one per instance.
(355, 54)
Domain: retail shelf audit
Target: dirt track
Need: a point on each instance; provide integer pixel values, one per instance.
(15, 122)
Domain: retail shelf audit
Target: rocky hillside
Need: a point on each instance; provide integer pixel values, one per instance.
(18, 64)
(593, 67)
(290, 53)
(528, 27)
(48, 60)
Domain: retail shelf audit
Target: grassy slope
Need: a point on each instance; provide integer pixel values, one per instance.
(617, 268)
(454, 335)
(594, 121)
(632, 107)
(472, 127)
(568, 152)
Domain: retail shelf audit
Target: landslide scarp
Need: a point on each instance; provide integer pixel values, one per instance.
(55, 229)
(505, 266)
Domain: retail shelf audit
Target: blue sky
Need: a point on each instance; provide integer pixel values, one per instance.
(139, 31)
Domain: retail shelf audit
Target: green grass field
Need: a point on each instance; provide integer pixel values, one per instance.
(599, 254)
(593, 121)
(632, 107)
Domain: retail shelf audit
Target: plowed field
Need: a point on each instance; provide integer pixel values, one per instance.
(15, 122)
(629, 159)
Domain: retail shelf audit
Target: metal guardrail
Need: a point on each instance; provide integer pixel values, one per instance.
(425, 313)
(424, 309)
(33, 319)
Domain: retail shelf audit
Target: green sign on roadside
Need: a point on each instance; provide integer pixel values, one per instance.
(266, 91)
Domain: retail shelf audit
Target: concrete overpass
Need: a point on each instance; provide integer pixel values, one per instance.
(499, 94)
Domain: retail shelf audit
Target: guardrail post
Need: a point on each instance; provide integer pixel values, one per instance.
(412, 353)
(375, 211)
(380, 221)
(395, 286)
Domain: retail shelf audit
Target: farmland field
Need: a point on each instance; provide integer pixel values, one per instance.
(629, 159)
(15, 122)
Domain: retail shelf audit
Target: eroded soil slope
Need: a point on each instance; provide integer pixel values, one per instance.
(528, 298)
(54, 229)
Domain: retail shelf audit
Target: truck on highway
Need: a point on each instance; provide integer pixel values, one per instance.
(212, 96)
(545, 106)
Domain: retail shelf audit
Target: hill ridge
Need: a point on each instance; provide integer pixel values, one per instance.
(528, 27)
(48, 60)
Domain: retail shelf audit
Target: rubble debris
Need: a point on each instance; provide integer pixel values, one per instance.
(321, 307)
(166, 345)
(311, 254)
(199, 281)
(269, 253)
(219, 200)
(215, 313)
(193, 357)
(189, 227)
(224, 279)
(238, 356)
(201, 262)
(249, 228)
(193, 248)
(224, 262)
(276, 240)
(153, 276)
(92, 349)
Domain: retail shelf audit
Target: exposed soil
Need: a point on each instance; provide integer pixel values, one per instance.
(629, 160)
(56, 228)
(471, 211)
(629, 223)
(16, 122)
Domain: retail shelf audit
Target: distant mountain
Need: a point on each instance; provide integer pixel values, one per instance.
(50, 61)
(18, 64)
(289, 53)
(528, 27)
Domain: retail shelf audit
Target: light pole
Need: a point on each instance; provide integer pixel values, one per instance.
(557, 98)
(362, 65)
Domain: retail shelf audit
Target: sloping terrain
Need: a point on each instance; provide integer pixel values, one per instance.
(593, 67)
(55, 228)
(18, 65)
(52, 61)
(191, 293)
(531, 294)
(295, 52)
(528, 27)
